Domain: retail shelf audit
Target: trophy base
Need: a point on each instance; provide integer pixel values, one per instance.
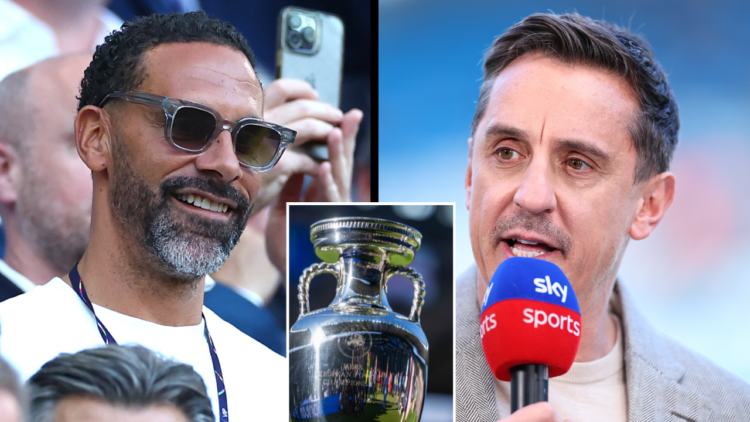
(365, 370)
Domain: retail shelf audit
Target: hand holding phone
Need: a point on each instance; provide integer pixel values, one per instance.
(331, 180)
(310, 52)
(293, 103)
(310, 47)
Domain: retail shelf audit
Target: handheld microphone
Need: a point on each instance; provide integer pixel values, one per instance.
(530, 327)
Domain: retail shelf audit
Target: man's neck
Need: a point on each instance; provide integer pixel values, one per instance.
(75, 23)
(116, 277)
(598, 328)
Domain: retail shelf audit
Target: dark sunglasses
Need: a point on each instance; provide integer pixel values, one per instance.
(193, 127)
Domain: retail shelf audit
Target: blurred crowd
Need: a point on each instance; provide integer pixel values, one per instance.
(46, 193)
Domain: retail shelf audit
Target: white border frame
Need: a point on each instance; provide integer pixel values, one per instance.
(453, 331)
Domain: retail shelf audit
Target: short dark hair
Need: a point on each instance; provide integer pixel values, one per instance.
(576, 39)
(117, 63)
(130, 376)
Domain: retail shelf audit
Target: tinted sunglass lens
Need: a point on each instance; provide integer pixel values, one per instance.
(257, 145)
(192, 128)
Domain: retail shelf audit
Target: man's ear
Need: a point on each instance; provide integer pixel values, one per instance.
(653, 204)
(467, 182)
(10, 174)
(93, 137)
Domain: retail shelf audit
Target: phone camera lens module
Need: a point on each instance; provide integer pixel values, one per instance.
(309, 34)
(295, 39)
(294, 21)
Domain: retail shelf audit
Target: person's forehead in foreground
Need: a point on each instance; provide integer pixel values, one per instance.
(117, 383)
(81, 409)
(569, 151)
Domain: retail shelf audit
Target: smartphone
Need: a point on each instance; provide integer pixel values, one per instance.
(310, 46)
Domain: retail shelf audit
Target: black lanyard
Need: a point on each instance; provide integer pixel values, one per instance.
(75, 280)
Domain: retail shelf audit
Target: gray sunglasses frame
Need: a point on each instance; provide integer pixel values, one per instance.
(172, 105)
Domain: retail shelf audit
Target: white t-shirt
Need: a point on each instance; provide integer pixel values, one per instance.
(25, 40)
(37, 326)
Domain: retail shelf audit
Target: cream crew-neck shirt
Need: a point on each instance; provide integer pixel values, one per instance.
(590, 391)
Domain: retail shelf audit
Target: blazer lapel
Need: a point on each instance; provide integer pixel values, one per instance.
(652, 375)
(475, 385)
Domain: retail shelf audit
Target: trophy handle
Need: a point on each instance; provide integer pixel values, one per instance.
(303, 289)
(416, 278)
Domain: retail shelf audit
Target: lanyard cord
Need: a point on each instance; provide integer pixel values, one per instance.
(75, 280)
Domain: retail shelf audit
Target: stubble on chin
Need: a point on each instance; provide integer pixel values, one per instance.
(540, 224)
(183, 247)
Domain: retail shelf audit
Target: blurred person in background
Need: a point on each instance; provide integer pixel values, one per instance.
(10, 394)
(166, 212)
(117, 384)
(45, 188)
(568, 159)
(33, 30)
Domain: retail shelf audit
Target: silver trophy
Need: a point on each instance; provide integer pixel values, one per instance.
(357, 360)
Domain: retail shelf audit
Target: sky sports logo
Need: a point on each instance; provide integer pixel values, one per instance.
(487, 325)
(537, 317)
(543, 285)
(530, 313)
(518, 296)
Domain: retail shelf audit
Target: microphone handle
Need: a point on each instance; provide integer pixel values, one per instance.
(528, 385)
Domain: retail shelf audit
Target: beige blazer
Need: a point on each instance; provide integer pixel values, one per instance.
(665, 381)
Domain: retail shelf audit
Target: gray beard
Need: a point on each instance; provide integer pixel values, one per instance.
(187, 257)
(181, 245)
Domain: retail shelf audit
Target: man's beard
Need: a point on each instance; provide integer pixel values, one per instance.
(183, 245)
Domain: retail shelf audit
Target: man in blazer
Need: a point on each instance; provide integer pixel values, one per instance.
(568, 160)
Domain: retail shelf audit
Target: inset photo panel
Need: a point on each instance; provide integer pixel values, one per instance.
(371, 312)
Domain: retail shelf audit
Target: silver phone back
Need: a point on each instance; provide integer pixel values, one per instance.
(323, 66)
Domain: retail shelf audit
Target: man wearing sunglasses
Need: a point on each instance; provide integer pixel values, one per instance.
(170, 123)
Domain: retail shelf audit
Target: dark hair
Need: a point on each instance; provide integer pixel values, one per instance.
(573, 38)
(131, 376)
(117, 64)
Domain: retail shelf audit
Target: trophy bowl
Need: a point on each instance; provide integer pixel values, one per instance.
(357, 359)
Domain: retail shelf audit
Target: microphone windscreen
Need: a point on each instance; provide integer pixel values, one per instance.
(530, 315)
